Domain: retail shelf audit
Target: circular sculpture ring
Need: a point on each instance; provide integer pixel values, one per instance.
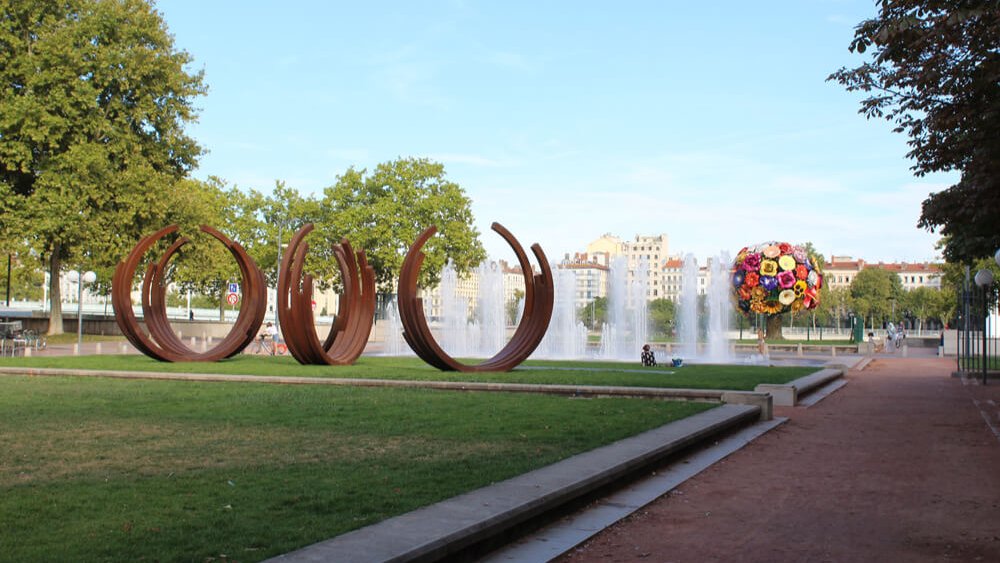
(350, 331)
(161, 343)
(538, 299)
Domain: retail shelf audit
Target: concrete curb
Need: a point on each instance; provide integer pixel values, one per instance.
(788, 394)
(458, 524)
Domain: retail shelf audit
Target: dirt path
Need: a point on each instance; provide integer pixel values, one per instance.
(899, 465)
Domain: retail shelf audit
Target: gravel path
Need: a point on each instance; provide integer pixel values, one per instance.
(902, 464)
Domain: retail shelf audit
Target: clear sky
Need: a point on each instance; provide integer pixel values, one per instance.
(710, 122)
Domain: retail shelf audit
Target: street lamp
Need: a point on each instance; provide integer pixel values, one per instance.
(984, 279)
(88, 277)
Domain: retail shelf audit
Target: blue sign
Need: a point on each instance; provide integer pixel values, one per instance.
(234, 288)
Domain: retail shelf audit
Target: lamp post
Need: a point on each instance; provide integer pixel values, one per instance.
(87, 277)
(984, 279)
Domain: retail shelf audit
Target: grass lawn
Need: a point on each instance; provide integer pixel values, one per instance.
(731, 377)
(112, 470)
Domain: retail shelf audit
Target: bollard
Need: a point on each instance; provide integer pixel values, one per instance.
(76, 349)
(27, 351)
(97, 348)
(833, 351)
(905, 351)
(204, 345)
(123, 348)
(192, 342)
(799, 351)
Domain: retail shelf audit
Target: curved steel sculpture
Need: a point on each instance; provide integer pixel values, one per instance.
(538, 299)
(161, 343)
(349, 333)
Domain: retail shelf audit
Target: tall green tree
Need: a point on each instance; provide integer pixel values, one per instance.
(662, 315)
(933, 72)
(383, 212)
(874, 293)
(594, 314)
(93, 102)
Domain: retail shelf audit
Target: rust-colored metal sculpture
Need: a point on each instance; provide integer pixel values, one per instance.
(161, 343)
(538, 299)
(349, 333)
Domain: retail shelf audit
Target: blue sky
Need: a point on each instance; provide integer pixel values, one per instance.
(711, 123)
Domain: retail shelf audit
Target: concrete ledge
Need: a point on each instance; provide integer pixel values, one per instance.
(787, 394)
(451, 526)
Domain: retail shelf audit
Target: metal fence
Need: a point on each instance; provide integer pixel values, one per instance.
(978, 320)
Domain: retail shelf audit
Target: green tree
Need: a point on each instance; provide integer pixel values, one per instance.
(93, 102)
(513, 305)
(874, 292)
(932, 72)
(662, 315)
(594, 314)
(384, 211)
(922, 303)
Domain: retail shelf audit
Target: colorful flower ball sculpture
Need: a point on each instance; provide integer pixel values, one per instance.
(776, 277)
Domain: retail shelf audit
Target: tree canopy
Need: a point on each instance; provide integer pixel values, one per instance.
(877, 294)
(92, 112)
(934, 72)
(385, 210)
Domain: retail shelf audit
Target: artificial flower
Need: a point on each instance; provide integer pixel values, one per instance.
(768, 282)
(768, 268)
(772, 251)
(744, 293)
(785, 248)
(738, 277)
(752, 262)
(786, 262)
(758, 293)
(813, 279)
(752, 279)
(799, 288)
(809, 298)
(786, 297)
(799, 254)
(786, 280)
(801, 272)
(797, 305)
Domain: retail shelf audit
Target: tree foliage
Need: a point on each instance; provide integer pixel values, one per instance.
(874, 291)
(594, 314)
(385, 210)
(662, 316)
(92, 109)
(934, 72)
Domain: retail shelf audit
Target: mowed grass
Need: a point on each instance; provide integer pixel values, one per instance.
(706, 376)
(96, 469)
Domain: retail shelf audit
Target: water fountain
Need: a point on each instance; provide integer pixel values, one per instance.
(718, 307)
(687, 321)
(628, 320)
(719, 310)
(567, 337)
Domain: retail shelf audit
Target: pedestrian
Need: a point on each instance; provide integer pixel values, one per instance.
(647, 357)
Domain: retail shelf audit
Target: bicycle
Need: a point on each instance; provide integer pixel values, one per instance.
(34, 340)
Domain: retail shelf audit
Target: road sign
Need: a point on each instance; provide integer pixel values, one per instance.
(314, 305)
(232, 298)
(234, 288)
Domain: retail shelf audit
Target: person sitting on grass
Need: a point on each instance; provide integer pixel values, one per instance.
(647, 357)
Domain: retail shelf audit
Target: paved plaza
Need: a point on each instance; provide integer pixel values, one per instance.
(901, 464)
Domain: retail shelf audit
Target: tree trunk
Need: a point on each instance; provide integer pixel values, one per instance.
(774, 327)
(55, 298)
